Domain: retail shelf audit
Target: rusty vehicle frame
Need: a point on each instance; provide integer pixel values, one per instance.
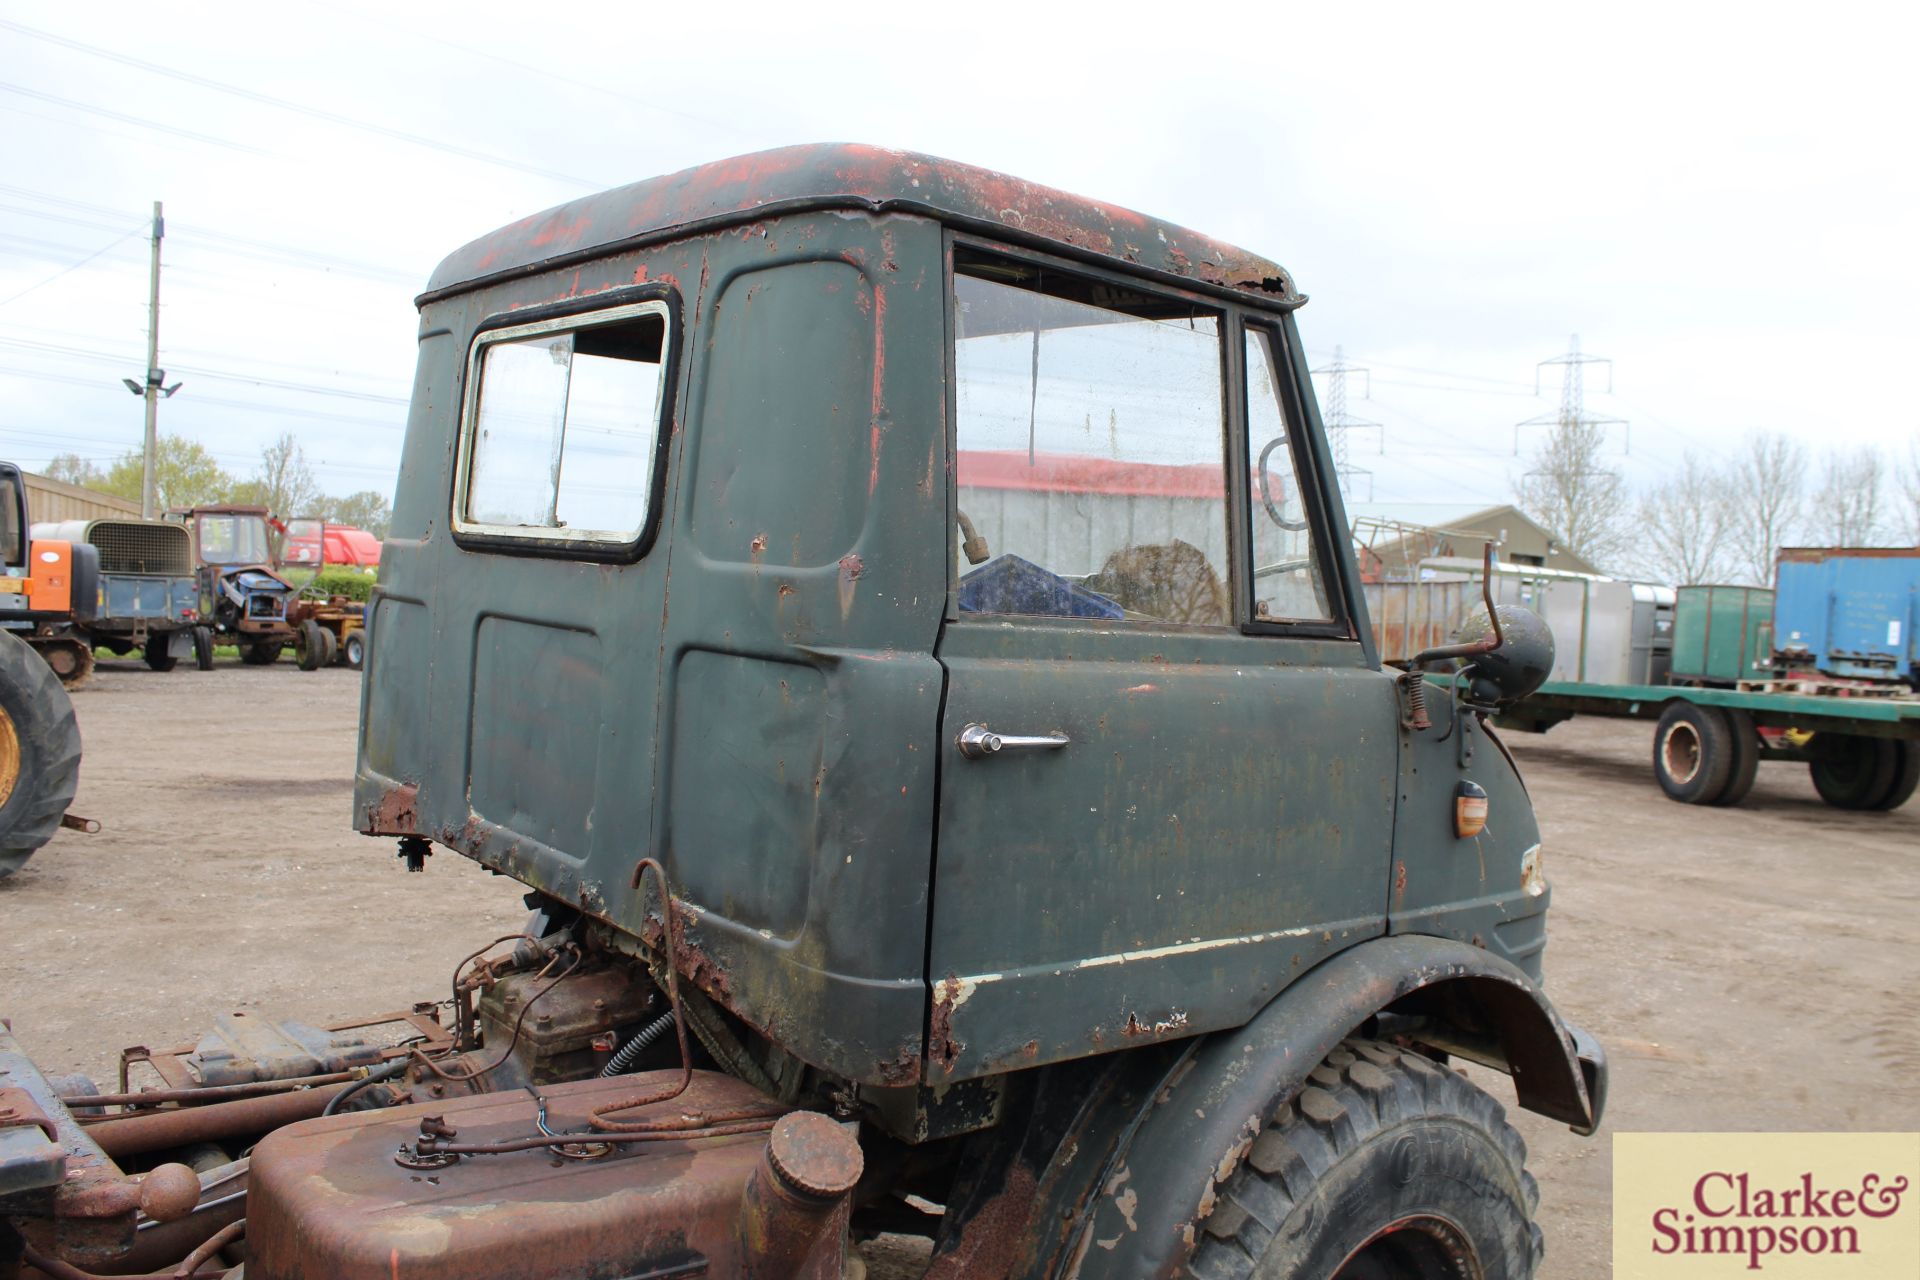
(1087, 916)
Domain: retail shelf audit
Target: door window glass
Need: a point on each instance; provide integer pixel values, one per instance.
(1287, 586)
(1090, 435)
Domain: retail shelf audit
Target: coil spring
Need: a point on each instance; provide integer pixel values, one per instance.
(626, 1054)
(1417, 701)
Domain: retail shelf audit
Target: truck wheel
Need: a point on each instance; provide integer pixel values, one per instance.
(356, 650)
(310, 646)
(1385, 1165)
(203, 648)
(1854, 772)
(1906, 776)
(1692, 753)
(1744, 739)
(39, 753)
(157, 654)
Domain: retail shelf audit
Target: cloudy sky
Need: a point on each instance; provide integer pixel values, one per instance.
(1723, 199)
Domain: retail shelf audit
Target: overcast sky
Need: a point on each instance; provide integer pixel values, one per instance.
(1723, 200)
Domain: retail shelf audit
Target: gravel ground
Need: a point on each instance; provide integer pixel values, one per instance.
(1748, 968)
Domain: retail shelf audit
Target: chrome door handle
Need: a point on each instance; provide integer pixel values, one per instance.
(977, 742)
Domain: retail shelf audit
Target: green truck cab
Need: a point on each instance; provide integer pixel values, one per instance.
(898, 621)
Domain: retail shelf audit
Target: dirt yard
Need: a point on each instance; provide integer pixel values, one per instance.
(1748, 968)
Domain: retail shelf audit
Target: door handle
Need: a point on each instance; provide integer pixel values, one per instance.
(977, 742)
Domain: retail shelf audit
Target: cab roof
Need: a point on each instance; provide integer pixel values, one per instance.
(873, 179)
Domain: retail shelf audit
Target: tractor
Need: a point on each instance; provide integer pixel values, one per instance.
(243, 599)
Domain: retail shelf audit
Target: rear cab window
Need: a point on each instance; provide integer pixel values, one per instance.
(560, 443)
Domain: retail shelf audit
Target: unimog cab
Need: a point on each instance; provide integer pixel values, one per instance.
(898, 621)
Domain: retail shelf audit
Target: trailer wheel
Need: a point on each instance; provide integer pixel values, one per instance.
(1692, 753)
(71, 660)
(158, 654)
(39, 753)
(1744, 739)
(1386, 1164)
(1854, 772)
(1906, 776)
(203, 648)
(310, 645)
(259, 653)
(356, 649)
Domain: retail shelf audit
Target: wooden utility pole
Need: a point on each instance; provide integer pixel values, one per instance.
(154, 376)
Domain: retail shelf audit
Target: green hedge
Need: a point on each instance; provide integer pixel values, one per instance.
(354, 584)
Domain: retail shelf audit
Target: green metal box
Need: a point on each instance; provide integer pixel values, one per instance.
(1719, 633)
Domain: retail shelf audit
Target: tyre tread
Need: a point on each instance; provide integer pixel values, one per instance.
(1364, 1087)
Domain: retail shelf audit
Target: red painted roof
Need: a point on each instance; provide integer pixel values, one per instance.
(840, 175)
(1076, 473)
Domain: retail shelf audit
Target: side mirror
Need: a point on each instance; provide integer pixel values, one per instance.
(1505, 653)
(1517, 662)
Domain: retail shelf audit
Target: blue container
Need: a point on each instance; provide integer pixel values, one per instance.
(1849, 611)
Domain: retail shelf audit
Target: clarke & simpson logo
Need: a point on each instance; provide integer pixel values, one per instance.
(1782, 1205)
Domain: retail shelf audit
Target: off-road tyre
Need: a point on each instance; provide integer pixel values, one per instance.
(260, 653)
(1692, 753)
(1386, 1164)
(203, 648)
(310, 645)
(355, 649)
(1854, 772)
(1744, 738)
(158, 653)
(1906, 776)
(39, 752)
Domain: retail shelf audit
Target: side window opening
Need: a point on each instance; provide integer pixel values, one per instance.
(562, 427)
(1286, 581)
(1090, 434)
(12, 541)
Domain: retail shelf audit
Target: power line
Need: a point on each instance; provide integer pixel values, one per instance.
(1339, 422)
(67, 270)
(123, 118)
(1573, 396)
(571, 80)
(317, 113)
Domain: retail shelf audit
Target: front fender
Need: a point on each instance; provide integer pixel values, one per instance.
(1143, 1219)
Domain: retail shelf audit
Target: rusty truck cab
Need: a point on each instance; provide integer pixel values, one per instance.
(943, 577)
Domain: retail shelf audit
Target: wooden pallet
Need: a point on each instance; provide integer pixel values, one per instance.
(1828, 687)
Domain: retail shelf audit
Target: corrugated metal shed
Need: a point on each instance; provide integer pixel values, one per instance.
(50, 501)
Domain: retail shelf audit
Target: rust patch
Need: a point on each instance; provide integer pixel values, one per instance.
(942, 1048)
(396, 813)
(903, 1068)
(987, 1246)
(851, 567)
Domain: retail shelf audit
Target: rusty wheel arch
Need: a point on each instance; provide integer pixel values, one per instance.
(1109, 1165)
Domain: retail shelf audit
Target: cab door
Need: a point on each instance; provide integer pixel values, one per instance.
(1166, 768)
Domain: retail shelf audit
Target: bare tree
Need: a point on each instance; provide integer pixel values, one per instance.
(1848, 506)
(284, 483)
(74, 469)
(1684, 523)
(1767, 485)
(1910, 488)
(1580, 500)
